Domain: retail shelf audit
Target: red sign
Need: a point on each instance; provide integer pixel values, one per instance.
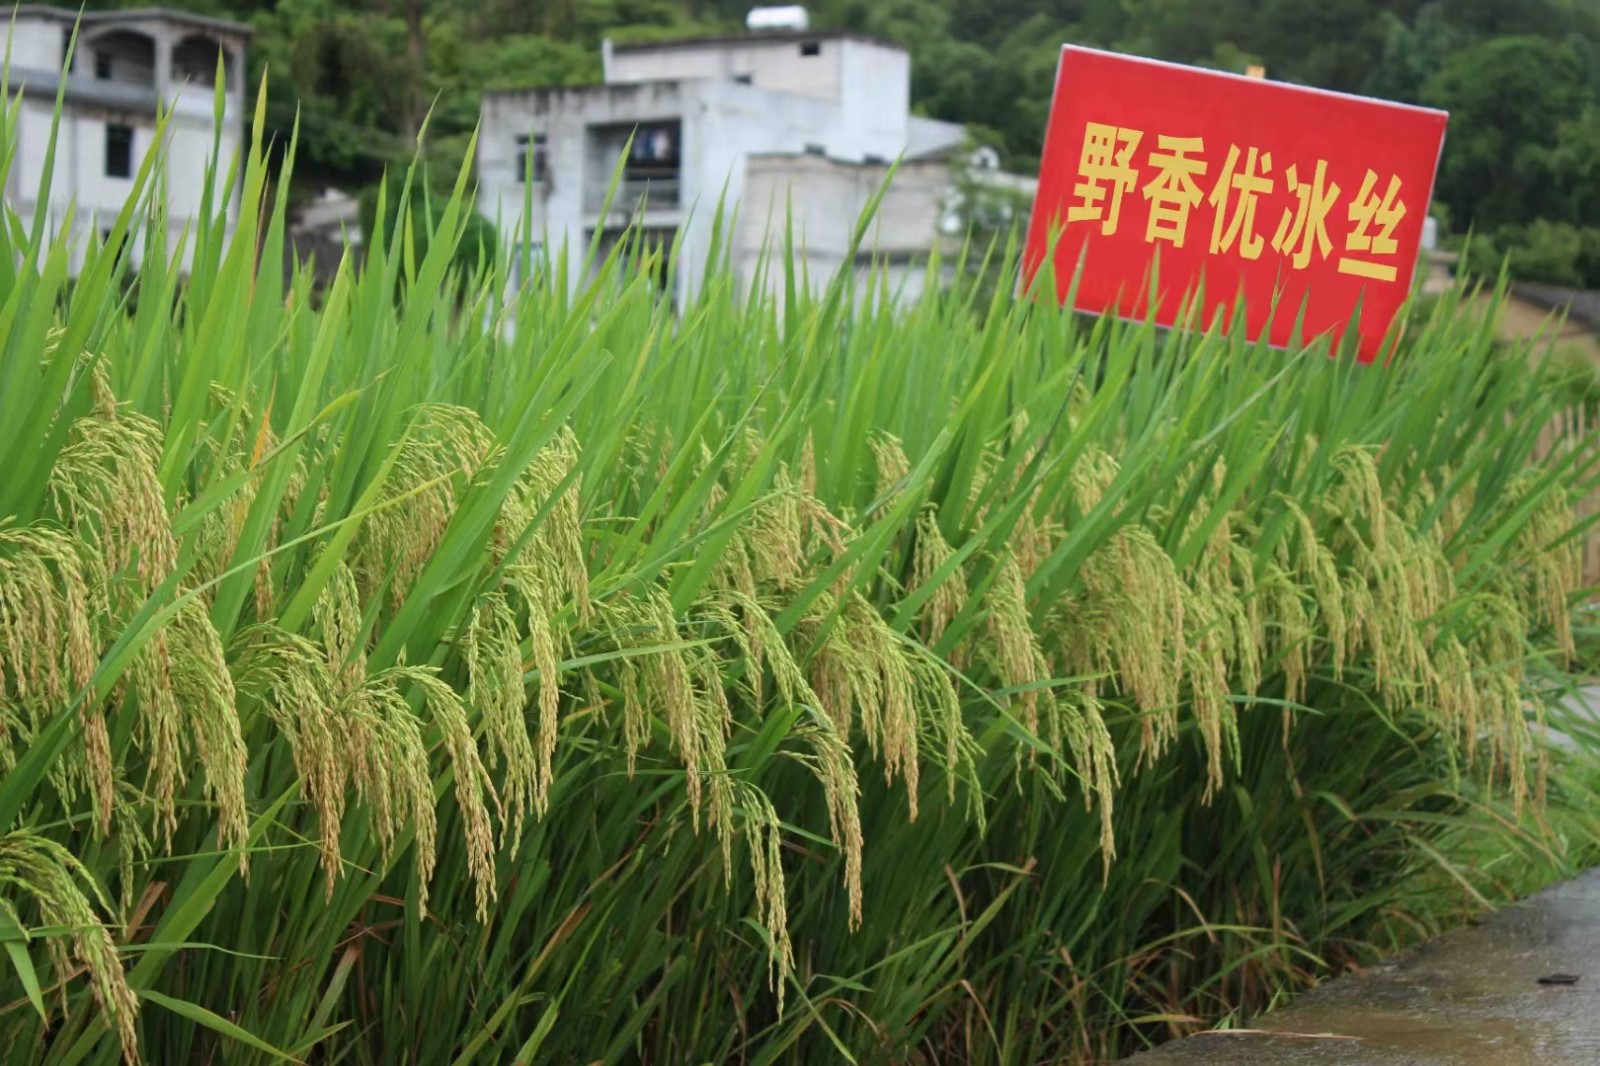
(1231, 187)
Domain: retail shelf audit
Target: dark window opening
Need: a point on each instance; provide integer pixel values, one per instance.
(743, 79)
(539, 143)
(652, 165)
(811, 48)
(816, 149)
(655, 146)
(119, 151)
(126, 57)
(194, 60)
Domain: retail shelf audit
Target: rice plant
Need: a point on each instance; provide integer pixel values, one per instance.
(539, 672)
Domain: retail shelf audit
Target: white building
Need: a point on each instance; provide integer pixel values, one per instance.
(126, 66)
(769, 123)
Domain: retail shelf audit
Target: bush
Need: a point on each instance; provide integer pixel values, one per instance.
(1551, 253)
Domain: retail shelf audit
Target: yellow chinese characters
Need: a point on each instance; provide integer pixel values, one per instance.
(1104, 166)
(1367, 211)
(1173, 191)
(1306, 225)
(1242, 194)
(1250, 183)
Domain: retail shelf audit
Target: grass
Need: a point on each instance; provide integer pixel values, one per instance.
(536, 673)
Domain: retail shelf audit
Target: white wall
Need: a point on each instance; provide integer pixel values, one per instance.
(79, 183)
(876, 96)
(870, 83)
(829, 198)
(188, 153)
(775, 64)
(36, 43)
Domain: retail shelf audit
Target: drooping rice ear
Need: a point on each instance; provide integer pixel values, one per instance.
(492, 652)
(67, 897)
(50, 599)
(764, 836)
(472, 784)
(931, 553)
(893, 468)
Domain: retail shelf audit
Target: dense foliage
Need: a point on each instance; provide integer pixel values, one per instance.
(754, 683)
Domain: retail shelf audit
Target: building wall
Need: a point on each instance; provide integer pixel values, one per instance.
(560, 206)
(737, 123)
(876, 96)
(930, 136)
(870, 83)
(778, 65)
(189, 148)
(829, 198)
(37, 42)
(79, 179)
(723, 123)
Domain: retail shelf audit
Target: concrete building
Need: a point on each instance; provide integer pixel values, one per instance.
(766, 122)
(126, 66)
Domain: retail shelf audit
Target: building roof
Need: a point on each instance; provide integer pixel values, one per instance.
(137, 14)
(596, 88)
(783, 36)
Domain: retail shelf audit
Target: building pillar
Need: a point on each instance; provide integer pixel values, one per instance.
(162, 35)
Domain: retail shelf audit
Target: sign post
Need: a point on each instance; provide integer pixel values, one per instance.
(1233, 188)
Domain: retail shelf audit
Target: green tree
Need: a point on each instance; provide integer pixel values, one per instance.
(1509, 99)
(1413, 53)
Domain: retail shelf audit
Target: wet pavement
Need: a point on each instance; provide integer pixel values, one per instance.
(1472, 997)
(1490, 994)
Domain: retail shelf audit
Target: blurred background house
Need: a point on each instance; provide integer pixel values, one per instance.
(127, 65)
(777, 123)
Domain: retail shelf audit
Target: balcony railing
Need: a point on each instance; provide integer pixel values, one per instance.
(661, 192)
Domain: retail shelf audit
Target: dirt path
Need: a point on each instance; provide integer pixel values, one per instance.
(1520, 319)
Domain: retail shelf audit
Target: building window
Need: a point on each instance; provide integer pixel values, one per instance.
(656, 145)
(652, 165)
(102, 66)
(743, 79)
(540, 145)
(811, 48)
(119, 151)
(194, 60)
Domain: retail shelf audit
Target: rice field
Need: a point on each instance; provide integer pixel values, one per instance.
(435, 670)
